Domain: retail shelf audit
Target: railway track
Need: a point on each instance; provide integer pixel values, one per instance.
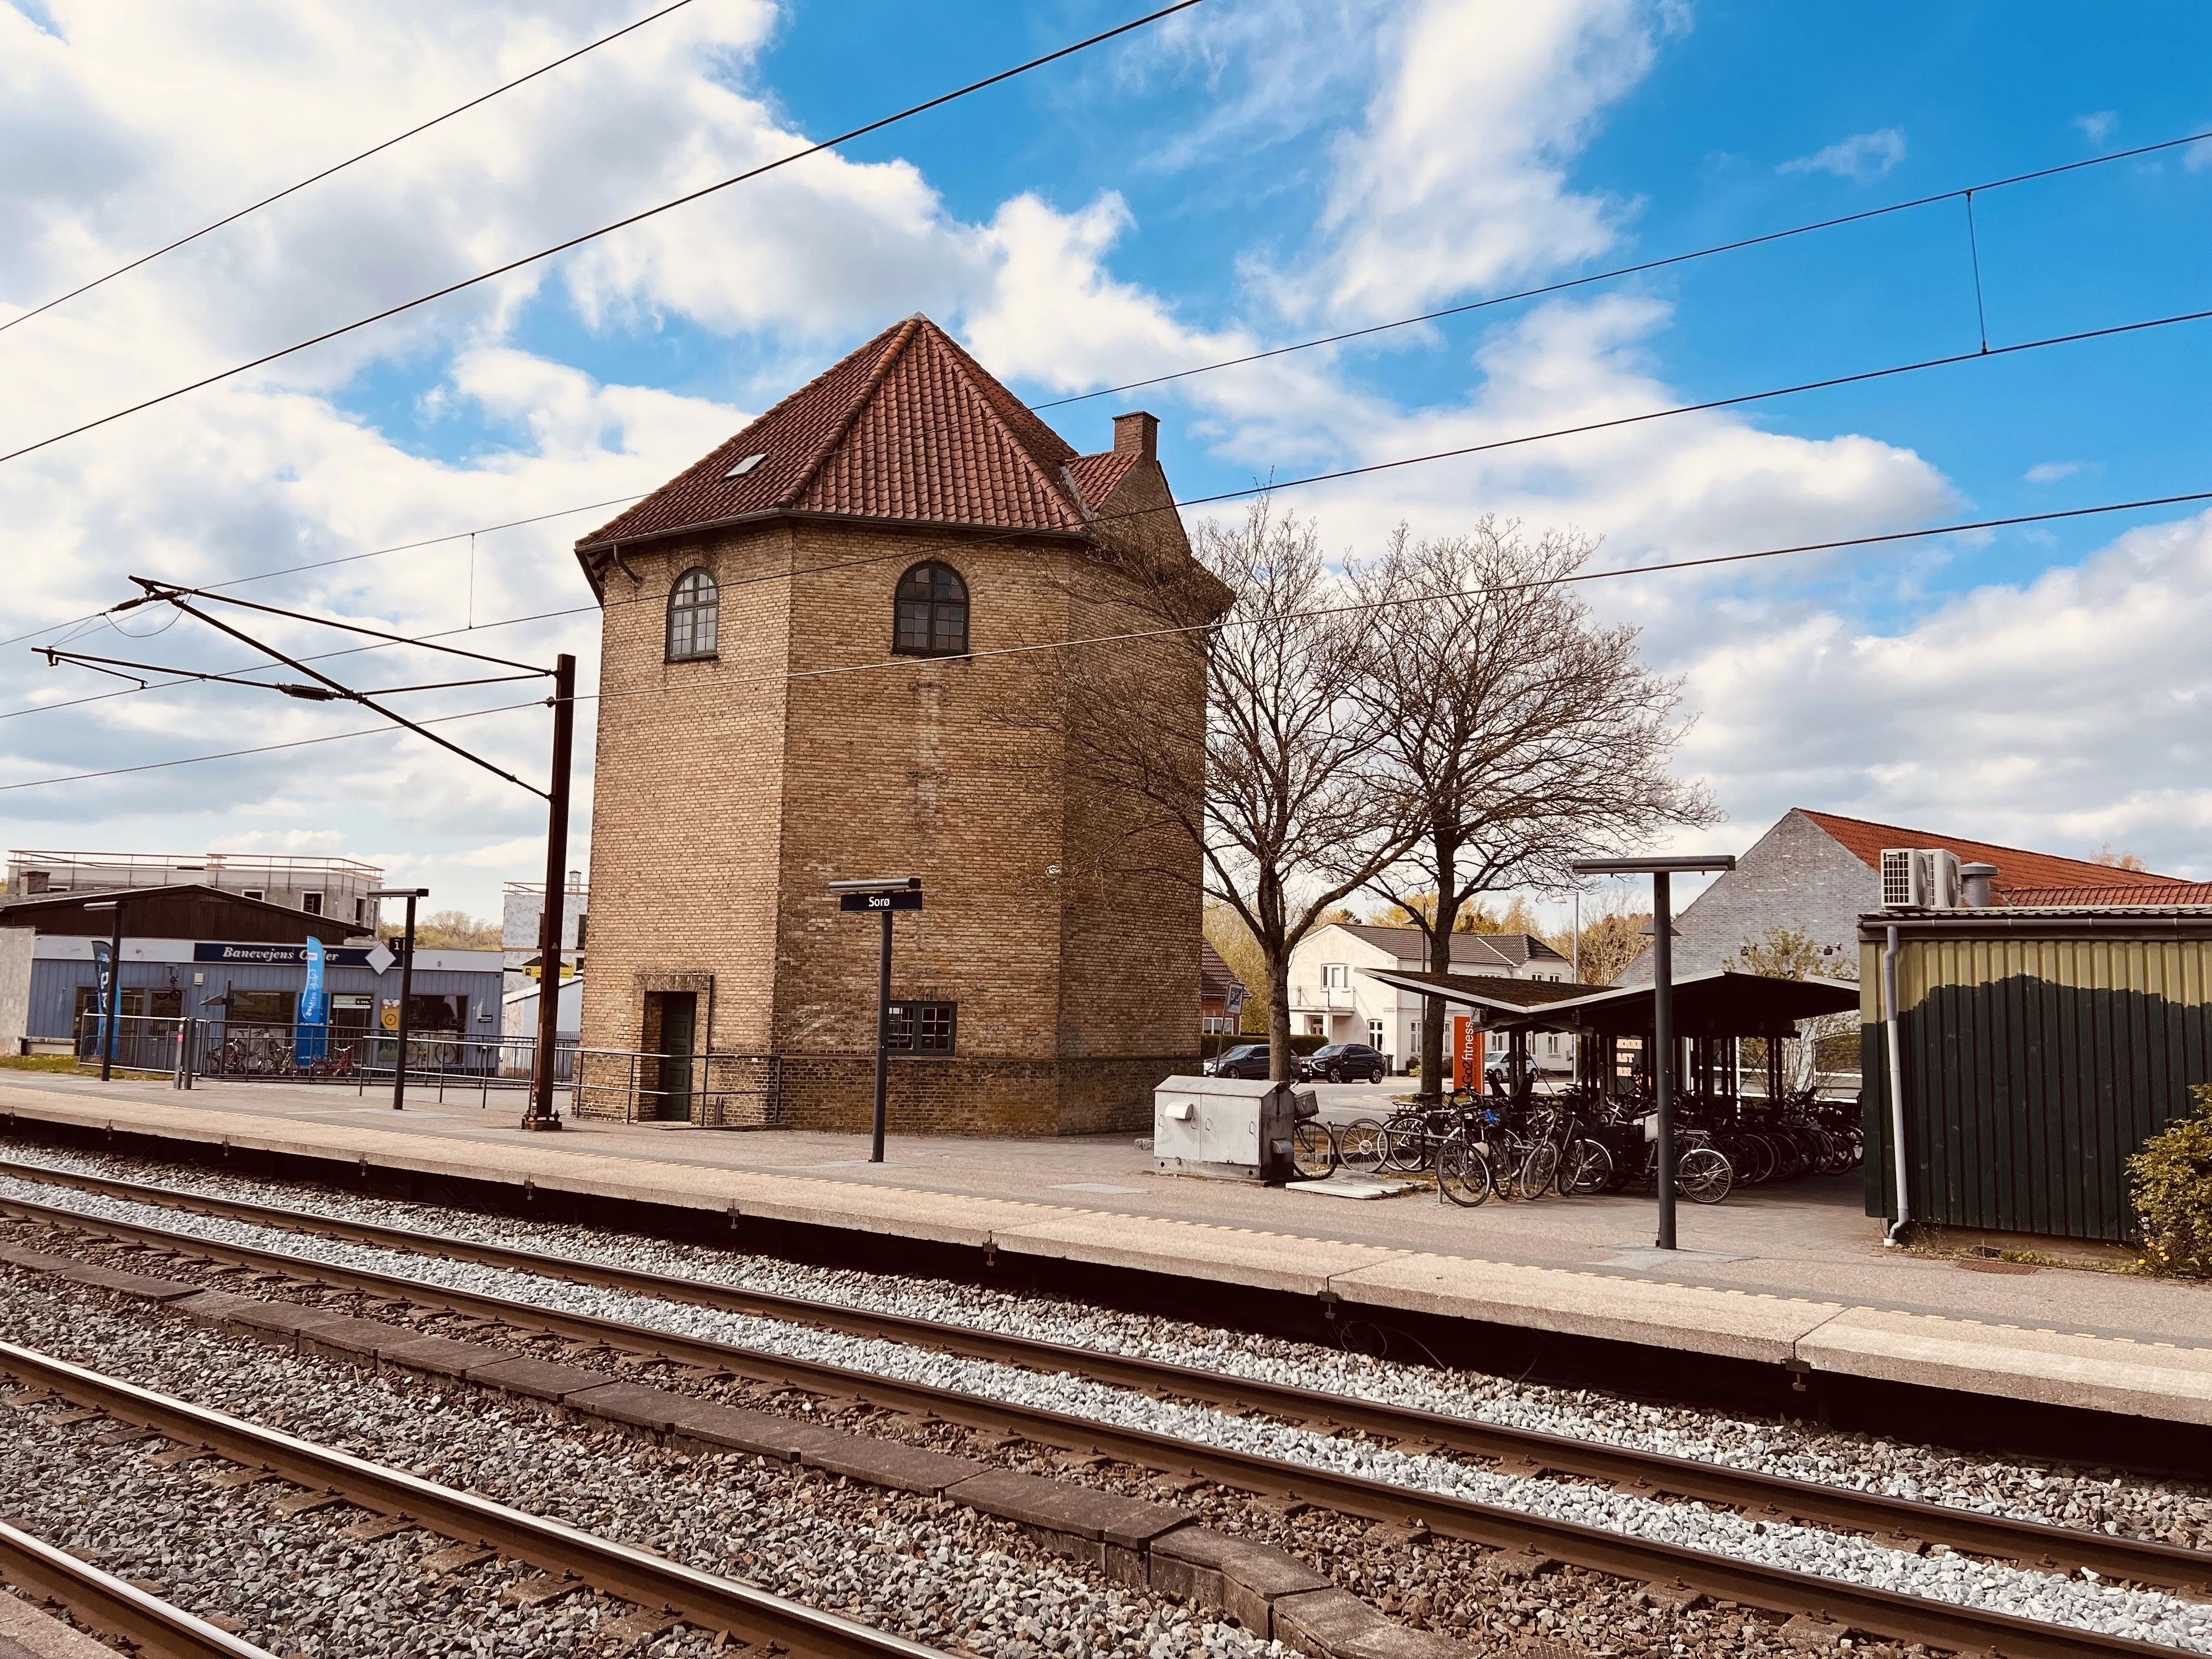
(1894, 1522)
(706, 1600)
(150, 1624)
(1905, 1523)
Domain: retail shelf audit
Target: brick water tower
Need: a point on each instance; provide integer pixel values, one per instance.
(837, 647)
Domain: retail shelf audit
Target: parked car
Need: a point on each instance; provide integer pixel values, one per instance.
(1343, 1062)
(1246, 1060)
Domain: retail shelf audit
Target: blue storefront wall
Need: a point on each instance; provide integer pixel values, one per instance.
(55, 981)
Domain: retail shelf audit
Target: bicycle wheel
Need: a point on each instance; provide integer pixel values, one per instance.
(1703, 1176)
(1588, 1168)
(1540, 1169)
(1313, 1149)
(1362, 1145)
(1462, 1173)
(1407, 1145)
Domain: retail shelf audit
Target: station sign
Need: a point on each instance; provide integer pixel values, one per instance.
(896, 901)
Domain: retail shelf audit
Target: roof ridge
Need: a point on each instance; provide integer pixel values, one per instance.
(902, 336)
(968, 370)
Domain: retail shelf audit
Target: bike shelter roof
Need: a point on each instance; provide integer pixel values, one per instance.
(1722, 1003)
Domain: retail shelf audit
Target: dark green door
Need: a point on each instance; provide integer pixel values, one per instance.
(679, 1020)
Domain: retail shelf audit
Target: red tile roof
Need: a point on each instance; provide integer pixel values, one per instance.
(2157, 892)
(2016, 867)
(1097, 477)
(1215, 975)
(907, 427)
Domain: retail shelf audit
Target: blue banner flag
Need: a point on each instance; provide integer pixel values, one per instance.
(103, 969)
(312, 1037)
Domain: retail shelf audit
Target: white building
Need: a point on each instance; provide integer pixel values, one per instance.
(1329, 998)
(521, 910)
(334, 887)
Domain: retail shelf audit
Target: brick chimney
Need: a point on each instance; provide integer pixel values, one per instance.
(1137, 435)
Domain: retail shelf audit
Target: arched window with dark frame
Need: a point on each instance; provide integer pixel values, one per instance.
(695, 605)
(932, 613)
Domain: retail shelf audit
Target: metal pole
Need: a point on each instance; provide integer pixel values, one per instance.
(406, 999)
(883, 1038)
(1662, 1043)
(114, 994)
(541, 1115)
(1577, 969)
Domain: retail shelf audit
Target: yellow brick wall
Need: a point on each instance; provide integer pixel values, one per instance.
(729, 792)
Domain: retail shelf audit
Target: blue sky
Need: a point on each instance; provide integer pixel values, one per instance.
(1247, 175)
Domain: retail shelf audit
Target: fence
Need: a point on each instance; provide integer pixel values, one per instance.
(141, 1042)
(710, 1092)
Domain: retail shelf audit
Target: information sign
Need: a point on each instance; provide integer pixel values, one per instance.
(899, 901)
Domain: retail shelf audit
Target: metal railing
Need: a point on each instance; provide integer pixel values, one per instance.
(140, 1043)
(708, 1092)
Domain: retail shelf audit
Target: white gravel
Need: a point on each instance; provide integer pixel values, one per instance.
(928, 1570)
(2140, 1614)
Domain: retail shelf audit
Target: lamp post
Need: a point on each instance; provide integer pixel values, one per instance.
(1661, 871)
(112, 1012)
(884, 895)
(406, 984)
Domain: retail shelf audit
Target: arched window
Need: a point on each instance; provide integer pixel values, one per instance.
(694, 609)
(933, 612)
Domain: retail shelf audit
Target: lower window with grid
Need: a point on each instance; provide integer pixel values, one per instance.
(924, 1028)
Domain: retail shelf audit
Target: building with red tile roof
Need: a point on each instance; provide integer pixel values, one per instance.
(835, 646)
(1816, 873)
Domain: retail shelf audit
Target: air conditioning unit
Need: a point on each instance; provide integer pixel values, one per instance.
(1919, 878)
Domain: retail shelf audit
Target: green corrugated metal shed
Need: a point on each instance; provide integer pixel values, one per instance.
(2039, 1049)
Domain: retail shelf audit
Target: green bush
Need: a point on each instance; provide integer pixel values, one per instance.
(2173, 1182)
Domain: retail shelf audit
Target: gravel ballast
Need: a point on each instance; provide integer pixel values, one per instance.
(920, 1567)
(2142, 1615)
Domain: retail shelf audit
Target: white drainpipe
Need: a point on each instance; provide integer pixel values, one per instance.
(1896, 1084)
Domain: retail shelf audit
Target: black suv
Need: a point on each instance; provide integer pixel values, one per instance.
(1247, 1059)
(1341, 1062)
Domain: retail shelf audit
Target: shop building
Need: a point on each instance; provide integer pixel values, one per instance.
(192, 952)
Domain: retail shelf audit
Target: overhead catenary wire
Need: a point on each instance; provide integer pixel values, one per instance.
(1612, 423)
(352, 558)
(1642, 266)
(800, 154)
(1616, 573)
(339, 166)
(1303, 345)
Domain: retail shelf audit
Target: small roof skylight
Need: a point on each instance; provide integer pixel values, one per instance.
(745, 465)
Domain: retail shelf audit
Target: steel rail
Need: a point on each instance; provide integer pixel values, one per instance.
(697, 1597)
(106, 1602)
(1883, 1612)
(2039, 1545)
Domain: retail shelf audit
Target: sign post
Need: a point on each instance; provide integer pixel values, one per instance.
(884, 895)
(1660, 870)
(406, 986)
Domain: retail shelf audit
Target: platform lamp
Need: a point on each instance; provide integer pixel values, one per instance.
(406, 984)
(113, 1012)
(1661, 871)
(884, 895)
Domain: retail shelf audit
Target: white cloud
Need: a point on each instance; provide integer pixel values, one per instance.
(2050, 471)
(2098, 127)
(1457, 179)
(2057, 715)
(1862, 156)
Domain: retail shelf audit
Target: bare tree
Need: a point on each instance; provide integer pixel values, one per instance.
(1295, 813)
(1524, 736)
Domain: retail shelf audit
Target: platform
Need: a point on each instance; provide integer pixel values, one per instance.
(1790, 1276)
